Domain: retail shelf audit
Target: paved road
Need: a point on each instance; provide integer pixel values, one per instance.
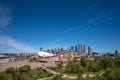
(64, 75)
(51, 71)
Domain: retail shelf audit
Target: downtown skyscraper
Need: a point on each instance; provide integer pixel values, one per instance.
(81, 49)
(89, 51)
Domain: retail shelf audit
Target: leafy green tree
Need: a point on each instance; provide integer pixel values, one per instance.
(60, 65)
(68, 67)
(3, 77)
(97, 59)
(83, 62)
(79, 75)
(43, 75)
(106, 63)
(117, 62)
(110, 74)
(16, 76)
(25, 68)
(73, 67)
(93, 67)
(10, 70)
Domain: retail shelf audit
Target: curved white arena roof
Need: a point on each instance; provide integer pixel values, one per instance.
(45, 54)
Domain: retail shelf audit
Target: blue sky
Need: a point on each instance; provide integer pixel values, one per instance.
(26, 25)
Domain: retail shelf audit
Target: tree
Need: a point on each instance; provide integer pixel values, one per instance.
(73, 67)
(117, 62)
(110, 74)
(24, 68)
(16, 76)
(79, 75)
(3, 77)
(106, 63)
(97, 59)
(60, 65)
(10, 70)
(83, 62)
(93, 67)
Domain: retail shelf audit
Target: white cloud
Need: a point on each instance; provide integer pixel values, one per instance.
(5, 16)
(69, 30)
(11, 45)
(100, 18)
(54, 44)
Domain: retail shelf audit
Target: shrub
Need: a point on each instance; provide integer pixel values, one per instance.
(93, 68)
(10, 70)
(25, 68)
(3, 77)
(83, 62)
(106, 63)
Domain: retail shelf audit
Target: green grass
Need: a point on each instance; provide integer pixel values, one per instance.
(71, 74)
(92, 73)
(69, 79)
(64, 79)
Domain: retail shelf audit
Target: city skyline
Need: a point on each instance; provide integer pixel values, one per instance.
(25, 26)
